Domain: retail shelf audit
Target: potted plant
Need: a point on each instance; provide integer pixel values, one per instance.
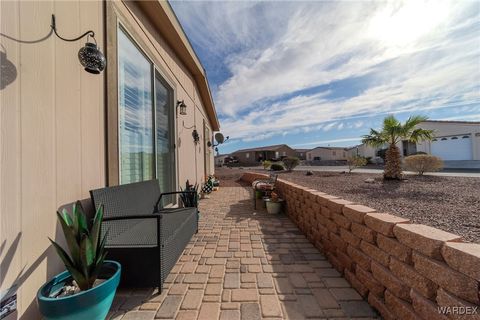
(274, 204)
(189, 195)
(87, 288)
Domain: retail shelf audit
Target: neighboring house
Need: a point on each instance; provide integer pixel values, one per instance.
(66, 131)
(454, 140)
(327, 153)
(301, 153)
(257, 155)
(220, 159)
(363, 150)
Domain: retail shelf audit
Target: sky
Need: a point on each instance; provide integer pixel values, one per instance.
(323, 73)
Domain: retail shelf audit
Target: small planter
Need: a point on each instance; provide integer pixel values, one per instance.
(265, 200)
(92, 304)
(258, 194)
(274, 207)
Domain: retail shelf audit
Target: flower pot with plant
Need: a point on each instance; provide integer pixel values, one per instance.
(189, 195)
(274, 204)
(87, 288)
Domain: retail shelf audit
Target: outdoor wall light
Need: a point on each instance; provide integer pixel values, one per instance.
(196, 137)
(90, 56)
(182, 107)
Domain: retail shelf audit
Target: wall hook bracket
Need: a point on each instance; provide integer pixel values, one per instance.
(89, 33)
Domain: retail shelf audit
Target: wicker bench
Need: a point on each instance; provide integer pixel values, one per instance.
(145, 238)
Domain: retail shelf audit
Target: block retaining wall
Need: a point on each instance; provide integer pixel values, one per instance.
(404, 270)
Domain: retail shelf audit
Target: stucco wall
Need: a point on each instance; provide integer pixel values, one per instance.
(52, 135)
(404, 270)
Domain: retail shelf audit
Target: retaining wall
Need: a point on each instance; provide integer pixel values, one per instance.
(404, 270)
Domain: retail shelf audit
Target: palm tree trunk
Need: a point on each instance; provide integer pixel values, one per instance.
(393, 165)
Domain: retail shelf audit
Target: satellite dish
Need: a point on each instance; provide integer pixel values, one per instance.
(219, 137)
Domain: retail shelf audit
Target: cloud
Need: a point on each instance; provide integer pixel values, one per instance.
(277, 65)
(320, 142)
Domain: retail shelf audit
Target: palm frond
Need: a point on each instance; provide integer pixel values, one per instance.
(374, 139)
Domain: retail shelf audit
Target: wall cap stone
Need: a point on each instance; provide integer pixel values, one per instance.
(383, 222)
(425, 239)
(463, 257)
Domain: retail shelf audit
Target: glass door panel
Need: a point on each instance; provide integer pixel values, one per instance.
(136, 141)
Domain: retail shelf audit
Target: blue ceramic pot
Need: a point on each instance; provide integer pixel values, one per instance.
(92, 304)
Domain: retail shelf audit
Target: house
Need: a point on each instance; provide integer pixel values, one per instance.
(257, 155)
(220, 159)
(301, 153)
(327, 153)
(457, 141)
(65, 131)
(454, 141)
(362, 150)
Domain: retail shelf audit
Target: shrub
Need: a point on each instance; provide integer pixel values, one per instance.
(355, 162)
(266, 164)
(369, 159)
(290, 162)
(276, 167)
(422, 163)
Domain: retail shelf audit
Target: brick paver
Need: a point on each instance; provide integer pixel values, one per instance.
(245, 264)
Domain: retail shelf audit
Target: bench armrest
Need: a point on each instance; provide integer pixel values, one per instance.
(133, 217)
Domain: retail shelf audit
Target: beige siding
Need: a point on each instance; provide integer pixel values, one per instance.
(52, 136)
(52, 124)
(327, 154)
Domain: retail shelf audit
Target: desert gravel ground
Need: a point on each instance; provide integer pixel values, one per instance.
(448, 203)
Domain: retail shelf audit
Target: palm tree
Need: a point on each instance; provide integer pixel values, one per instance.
(393, 131)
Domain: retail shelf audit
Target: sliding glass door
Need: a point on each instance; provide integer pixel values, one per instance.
(165, 151)
(146, 119)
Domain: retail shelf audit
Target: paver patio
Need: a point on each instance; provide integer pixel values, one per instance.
(246, 264)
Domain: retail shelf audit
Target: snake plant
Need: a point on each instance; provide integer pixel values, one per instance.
(189, 195)
(86, 248)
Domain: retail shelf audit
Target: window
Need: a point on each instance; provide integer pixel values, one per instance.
(135, 112)
(284, 153)
(465, 137)
(443, 139)
(247, 155)
(334, 153)
(146, 119)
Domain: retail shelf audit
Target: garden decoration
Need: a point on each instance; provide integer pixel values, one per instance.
(207, 187)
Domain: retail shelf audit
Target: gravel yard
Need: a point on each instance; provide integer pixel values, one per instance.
(448, 203)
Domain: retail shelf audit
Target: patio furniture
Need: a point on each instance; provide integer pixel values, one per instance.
(144, 237)
(265, 185)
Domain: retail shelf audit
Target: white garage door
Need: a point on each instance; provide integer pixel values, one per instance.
(453, 148)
